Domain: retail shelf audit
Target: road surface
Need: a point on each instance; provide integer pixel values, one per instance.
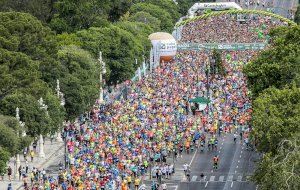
(235, 168)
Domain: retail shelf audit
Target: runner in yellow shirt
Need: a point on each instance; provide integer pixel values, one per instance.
(137, 183)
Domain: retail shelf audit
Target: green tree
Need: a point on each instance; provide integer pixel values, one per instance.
(146, 18)
(81, 83)
(119, 47)
(167, 5)
(56, 111)
(37, 122)
(4, 158)
(118, 8)
(218, 67)
(297, 15)
(71, 16)
(161, 14)
(42, 9)
(9, 140)
(21, 32)
(280, 171)
(275, 117)
(66, 39)
(17, 70)
(274, 79)
(141, 31)
(279, 65)
(11, 122)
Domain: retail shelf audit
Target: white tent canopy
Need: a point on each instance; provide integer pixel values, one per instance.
(218, 5)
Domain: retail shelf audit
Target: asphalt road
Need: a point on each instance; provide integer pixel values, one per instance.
(235, 167)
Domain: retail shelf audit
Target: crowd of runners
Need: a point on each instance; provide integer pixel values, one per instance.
(124, 142)
(226, 29)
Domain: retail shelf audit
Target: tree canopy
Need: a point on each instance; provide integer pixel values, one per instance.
(279, 65)
(297, 15)
(119, 47)
(274, 80)
(146, 18)
(276, 117)
(71, 16)
(154, 10)
(42, 9)
(167, 5)
(81, 81)
(141, 32)
(280, 171)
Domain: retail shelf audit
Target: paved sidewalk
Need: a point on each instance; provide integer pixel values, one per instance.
(50, 151)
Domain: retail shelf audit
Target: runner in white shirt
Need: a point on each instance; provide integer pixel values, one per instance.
(164, 186)
(185, 167)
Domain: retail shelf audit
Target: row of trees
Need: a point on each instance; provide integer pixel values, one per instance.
(274, 79)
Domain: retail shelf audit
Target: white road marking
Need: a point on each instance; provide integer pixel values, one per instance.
(220, 148)
(193, 157)
(176, 187)
(238, 161)
(194, 178)
(231, 184)
(212, 171)
(230, 177)
(235, 171)
(241, 152)
(206, 184)
(222, 143)
(240, 156)
(239, 178)
(221, 178)
(212, 178)
(237, 166)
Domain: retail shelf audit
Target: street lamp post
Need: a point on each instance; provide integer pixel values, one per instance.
(41, 140)
(151, 60)
(60, 95)
(144, 66)
(102, 72)
(18, 155)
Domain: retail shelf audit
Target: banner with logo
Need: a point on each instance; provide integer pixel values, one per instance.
(211, 46)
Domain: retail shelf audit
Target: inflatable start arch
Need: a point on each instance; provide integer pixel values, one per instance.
(218, 13)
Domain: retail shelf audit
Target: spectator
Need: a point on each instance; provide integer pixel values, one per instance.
(9, 172)
(32, 153)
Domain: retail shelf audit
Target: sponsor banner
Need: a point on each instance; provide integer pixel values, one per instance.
(210, 46)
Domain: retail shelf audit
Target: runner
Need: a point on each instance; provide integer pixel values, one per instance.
(215, 162)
